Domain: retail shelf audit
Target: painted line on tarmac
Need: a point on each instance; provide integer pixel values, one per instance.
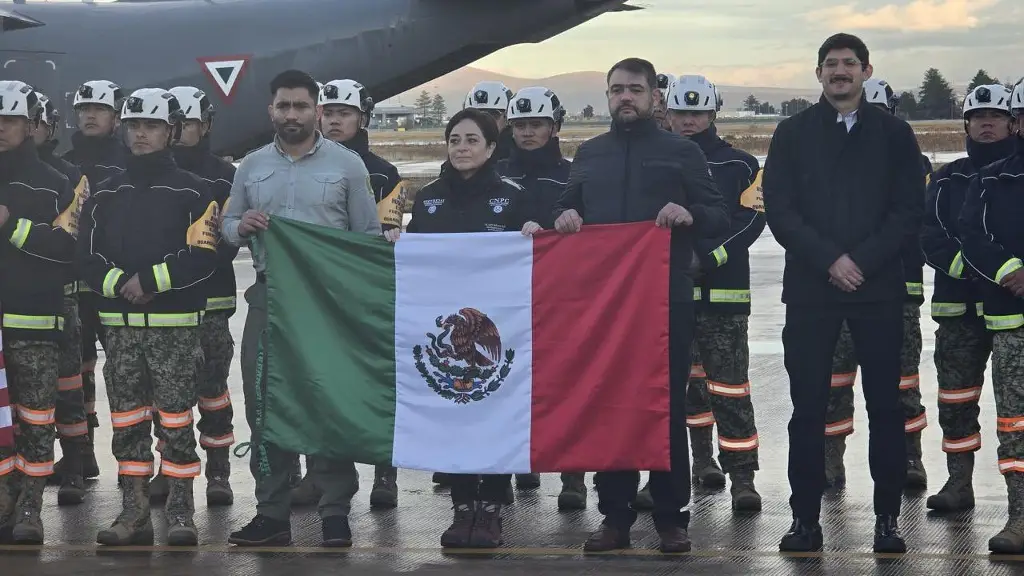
(535, 552)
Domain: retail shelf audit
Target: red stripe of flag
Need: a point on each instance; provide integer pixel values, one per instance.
(600, 349)
(6, 432)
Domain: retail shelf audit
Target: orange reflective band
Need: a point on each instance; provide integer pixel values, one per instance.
(1011, 465)
(730, 390)
(700, 420)
(89, 365)
(846, 379)
(70, 383)
(131, 417)
(738, 444)
(1010, 424)
(35, 417)
(90, 407)
(180, 470)
(916, 424)
(839, 428)
(6, 466)
(212, 404)
(968, 444)
(135, 468)
(35, 469)
(960, 396)
(175, 420)
(697, 371)
(909, 382)
(73, 430)
(216, 442)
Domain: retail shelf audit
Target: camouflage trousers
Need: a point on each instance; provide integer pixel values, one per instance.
(71, 417)
(1008, 385)
(32, 368)
(962, 349)
(153, 371)
(215, 412)
(91, 333)
(719, 389)
(839, 417)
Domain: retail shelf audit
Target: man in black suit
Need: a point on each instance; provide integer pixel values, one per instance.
(842, 186)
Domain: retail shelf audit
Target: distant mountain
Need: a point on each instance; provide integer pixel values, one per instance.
(577, 90)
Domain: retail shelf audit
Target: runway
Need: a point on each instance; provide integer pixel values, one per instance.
(539, 539)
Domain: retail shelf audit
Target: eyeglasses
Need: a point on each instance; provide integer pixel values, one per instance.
(833, 63)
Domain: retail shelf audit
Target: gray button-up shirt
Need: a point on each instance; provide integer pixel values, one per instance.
(328, 186)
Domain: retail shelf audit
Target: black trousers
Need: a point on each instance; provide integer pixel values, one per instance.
(469, 488)
(669, 490)
(809, 338)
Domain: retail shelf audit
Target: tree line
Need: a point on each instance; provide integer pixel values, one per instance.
(432, 109)
(935, 99)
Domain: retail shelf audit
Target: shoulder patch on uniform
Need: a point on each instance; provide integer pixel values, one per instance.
(68, 220)
(391, 208)
(753, 196)
(203, 233)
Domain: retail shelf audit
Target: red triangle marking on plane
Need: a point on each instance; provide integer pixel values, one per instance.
(225, 72)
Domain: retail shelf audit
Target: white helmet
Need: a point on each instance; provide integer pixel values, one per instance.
(694, 93)
(49, 114)
(665, 82)
(536, 102)
(194, 103)
(153, 104)
(488, 95)
(879, 92)
(1017, 98)
(990, 96)
(319, 85)
(101, 92)
(18, 99)
(346, 93)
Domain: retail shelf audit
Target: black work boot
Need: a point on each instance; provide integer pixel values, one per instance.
(1010, 540)
(527, 481)
(159, 488)
(458, 534)
(179, 512)
(486, 526)
(706, 470)
(218, 478)
(8, 504)
(574, 492)
(888, 539)
(803, 536)
(90, 468)
(263, 531)
(744, 497)
(958, 491)
(133, 526)
(385, 487)
(336, 532)
(835, 469)
(72, 484)
(607, 538)
(673, 539)
(917, 477)
(28, 526)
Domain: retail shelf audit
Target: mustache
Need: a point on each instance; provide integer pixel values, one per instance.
(840, 79)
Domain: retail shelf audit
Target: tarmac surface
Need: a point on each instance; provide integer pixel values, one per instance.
(540, 540)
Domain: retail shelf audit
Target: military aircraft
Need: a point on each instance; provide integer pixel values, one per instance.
(233, 48)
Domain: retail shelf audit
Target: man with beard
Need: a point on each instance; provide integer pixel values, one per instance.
(99, 154)
(302, 176)
(639, 172)
(842, 186)
(962, 343)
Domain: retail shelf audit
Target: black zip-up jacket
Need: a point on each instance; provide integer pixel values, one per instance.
(37, 244)
(543, 174)
(388, 188)
(155, 220)
(98, 158)
(993, 237)
(828, 193)
(724, 285)
(631, 172)
(957, 290)
(506, 143)
(218, 175)
(484, 203)
(80, 188)
(913, 256)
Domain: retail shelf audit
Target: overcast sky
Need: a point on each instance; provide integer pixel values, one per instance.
(775, 42)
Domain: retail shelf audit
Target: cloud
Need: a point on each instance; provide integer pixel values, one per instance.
(917, 16)
(788, 73)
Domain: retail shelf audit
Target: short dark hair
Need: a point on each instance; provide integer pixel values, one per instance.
(636, 66)
(488, 127)
(842, 41)
(295, 79)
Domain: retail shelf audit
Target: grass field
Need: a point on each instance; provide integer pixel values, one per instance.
(753, 137)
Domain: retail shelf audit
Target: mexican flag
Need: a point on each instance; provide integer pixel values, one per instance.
(470, 353)
(6, 416)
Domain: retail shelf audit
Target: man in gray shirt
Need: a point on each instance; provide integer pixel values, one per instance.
(301, 176)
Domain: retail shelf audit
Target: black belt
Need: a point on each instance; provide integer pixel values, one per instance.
(261, 277)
